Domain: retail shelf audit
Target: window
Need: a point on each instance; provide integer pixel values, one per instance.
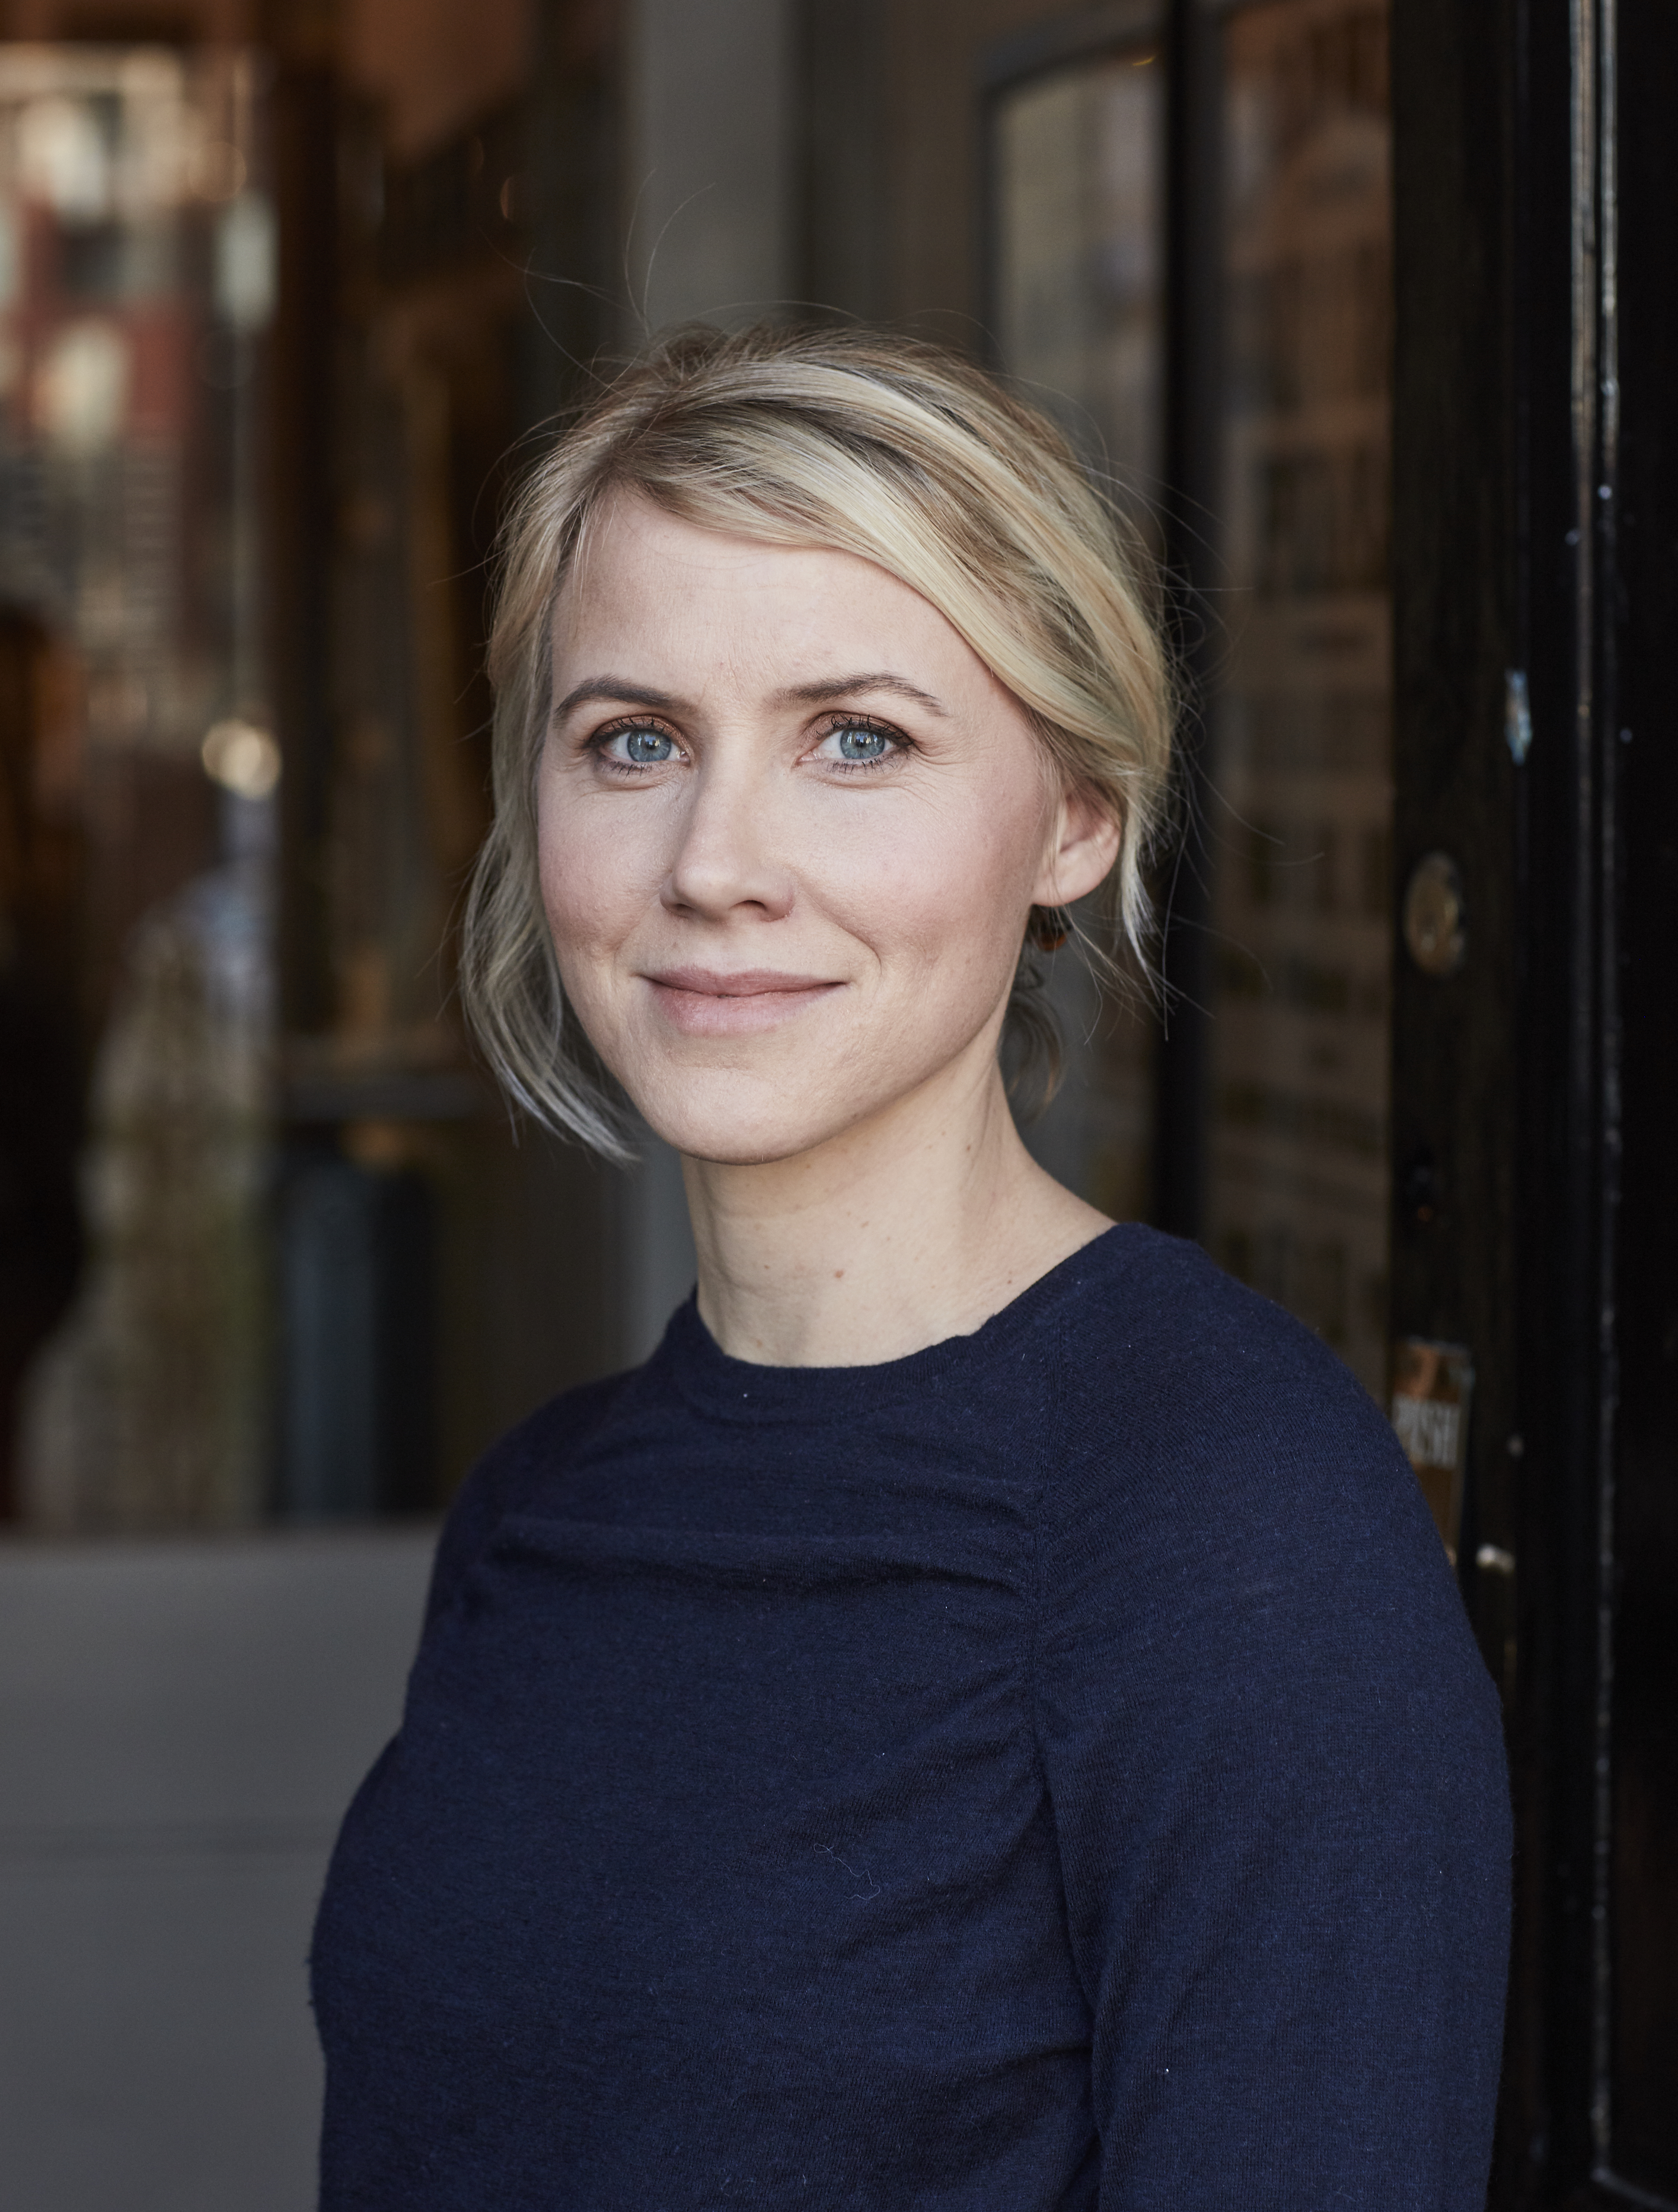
(1076, 154)
(1297, 833)
(137, 274)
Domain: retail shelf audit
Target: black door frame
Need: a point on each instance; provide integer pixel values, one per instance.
(1535, 499)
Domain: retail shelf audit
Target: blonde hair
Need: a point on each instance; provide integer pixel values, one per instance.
(846, 441)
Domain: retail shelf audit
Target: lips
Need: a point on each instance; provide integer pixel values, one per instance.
(736, 983)
(711, 1002)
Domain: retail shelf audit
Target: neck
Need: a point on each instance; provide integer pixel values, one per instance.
(914, 1227)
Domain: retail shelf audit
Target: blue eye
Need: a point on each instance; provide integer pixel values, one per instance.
(645, 747)
(859, 744)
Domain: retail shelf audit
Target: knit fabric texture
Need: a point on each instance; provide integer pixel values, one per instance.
(1053, 1770)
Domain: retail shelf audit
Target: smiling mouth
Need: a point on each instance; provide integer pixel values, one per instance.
(704, 1002)
(741, 983)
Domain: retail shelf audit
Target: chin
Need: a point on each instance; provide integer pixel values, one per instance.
(754, 1142)
(745, 1125)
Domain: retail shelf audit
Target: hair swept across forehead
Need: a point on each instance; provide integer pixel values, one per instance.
(850, 441)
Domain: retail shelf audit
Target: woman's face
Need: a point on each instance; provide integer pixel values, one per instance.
(791, 828)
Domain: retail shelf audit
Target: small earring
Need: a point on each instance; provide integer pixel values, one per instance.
(1048, 928)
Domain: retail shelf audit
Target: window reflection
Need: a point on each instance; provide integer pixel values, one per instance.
(1300, 830)
(1077, 167)
(137, 274)
(1077, 157)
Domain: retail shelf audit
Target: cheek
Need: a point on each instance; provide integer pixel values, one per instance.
(591, 875)
(947, 885)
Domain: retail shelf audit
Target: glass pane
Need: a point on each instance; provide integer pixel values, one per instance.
(137, 272)
(1076, 158)
(1078, 266)
(1300, 822)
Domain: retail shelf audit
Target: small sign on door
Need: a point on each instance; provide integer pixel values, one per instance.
(1432, 1386)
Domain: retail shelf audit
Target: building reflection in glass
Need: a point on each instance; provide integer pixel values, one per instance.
(137, 274)
(1076, 156)
(1300, 827)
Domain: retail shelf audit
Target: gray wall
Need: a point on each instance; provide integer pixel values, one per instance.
(708, 138)
(181, 1726)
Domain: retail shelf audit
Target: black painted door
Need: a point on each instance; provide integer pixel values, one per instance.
(1535, 1192)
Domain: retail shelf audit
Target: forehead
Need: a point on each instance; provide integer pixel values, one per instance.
(648, 582)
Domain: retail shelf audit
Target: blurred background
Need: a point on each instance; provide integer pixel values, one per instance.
(1366, 317)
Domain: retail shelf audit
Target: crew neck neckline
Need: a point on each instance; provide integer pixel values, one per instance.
(692, 1362)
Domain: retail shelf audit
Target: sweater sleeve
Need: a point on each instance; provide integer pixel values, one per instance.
(1276, 1769)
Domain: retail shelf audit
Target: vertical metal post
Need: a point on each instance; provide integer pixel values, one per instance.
(1595, 411)
(1193, 376)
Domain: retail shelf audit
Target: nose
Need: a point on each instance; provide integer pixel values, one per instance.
(726, 860)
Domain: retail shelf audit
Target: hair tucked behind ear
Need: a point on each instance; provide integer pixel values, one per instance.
(852, 442)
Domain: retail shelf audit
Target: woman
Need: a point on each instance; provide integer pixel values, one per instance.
(982, 1718)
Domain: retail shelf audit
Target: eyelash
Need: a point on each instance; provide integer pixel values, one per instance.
(900, 744)
(598, 742)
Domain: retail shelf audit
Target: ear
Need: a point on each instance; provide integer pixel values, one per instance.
(1083, 845)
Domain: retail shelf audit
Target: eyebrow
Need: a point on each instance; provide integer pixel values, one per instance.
(601, 690)
(840, 687)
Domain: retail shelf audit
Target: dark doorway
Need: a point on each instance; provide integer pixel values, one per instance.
(40, 1084)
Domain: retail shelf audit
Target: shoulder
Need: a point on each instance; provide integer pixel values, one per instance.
(507, 1472)
(1222, 1483)
(1165, 1358)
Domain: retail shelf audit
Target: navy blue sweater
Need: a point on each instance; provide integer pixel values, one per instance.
(1053, 1770)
